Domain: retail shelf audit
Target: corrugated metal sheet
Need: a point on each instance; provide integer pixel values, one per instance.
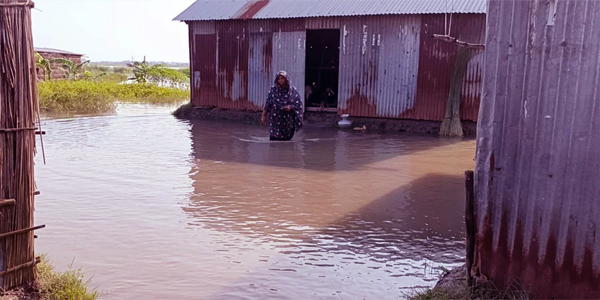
(220, 66)
(204, 27)
(436, 62)
(261, 71)
(378, 65)
(55, 51)
(281, 9)
(211, 10)
(538, 158)
(320, 8)
(390, 66)
(471, 89)
(323, 23)
(289, 54)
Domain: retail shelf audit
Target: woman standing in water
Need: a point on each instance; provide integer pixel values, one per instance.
(283, 109)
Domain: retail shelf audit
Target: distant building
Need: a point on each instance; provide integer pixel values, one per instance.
(57, 71)
(367, 58)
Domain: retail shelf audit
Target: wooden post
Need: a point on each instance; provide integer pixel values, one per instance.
(470, 221)
(18, 115)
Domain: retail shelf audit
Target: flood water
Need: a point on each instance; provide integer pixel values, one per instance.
(158, 208)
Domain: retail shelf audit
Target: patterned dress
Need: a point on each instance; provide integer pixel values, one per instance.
(284, 124)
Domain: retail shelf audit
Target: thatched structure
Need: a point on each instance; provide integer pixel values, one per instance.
(18, 115)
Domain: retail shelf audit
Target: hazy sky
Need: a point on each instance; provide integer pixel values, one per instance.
(113, 30)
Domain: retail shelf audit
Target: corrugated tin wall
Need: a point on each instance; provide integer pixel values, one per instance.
(261, 71)
(289, 54)
(435, 67)
(378, 65)
(220, 68)
(538, 159)
(390, 66)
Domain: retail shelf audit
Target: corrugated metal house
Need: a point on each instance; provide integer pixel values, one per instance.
(537, 180)
(368, 58)
(57, 71)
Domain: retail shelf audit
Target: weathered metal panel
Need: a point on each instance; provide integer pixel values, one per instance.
(232, 65)
(204, 27)
(220, 67)
(471, 89)
(398, 64)
(204, 81)
(436, 61)
(285, 9)
(260, 26)
(320, 8)
(261, 73)
(390, 66)
(538, 158)
(289, 54)
(211, 10)
(378, 65)
(323, 23)
(55, 51)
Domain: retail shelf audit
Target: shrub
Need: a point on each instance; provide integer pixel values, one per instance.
(84, 96)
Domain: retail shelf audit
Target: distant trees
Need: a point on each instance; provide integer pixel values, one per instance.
(159, 74)
(143, 72)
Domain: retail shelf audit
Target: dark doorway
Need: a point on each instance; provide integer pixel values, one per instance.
(322, 69)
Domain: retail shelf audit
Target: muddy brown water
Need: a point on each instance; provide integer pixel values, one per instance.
(158, 208)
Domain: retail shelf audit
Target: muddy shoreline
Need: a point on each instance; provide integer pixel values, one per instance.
(324, 119)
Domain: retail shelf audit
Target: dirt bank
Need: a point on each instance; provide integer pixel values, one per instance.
(323, 119)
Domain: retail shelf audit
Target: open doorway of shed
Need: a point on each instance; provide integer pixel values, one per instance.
(322, 69)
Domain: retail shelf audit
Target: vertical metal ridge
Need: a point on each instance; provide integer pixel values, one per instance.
(538, 157)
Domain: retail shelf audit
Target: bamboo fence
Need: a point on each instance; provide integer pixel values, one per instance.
(18, 115)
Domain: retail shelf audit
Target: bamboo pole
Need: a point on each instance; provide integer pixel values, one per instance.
(22, 266)
(458, 42)
(3, 235)
(18, 110)
(6, 202)
(470, 222)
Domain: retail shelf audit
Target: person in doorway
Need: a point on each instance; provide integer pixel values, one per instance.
(283, 110)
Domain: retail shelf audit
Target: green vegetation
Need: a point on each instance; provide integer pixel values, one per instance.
(58, 286)
(462, 291)
(186, 72)
(107, 74)
(73, 70)
(89, 89)
(64, 96)
(143, 72)
(84, 96)
(43, 64)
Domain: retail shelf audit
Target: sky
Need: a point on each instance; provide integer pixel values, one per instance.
(113, 30)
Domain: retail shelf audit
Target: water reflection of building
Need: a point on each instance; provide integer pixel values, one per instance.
(330, 190)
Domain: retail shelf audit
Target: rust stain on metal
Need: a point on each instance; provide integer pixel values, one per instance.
(251, 9)
(268, 54)
(414, 85)
(436, 60)
(360, 105)
(538, 151)
(222, 61)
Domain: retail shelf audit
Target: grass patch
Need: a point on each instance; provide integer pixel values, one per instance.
(58, 286)
(87, 97)
(149, 93)
(462, 291)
